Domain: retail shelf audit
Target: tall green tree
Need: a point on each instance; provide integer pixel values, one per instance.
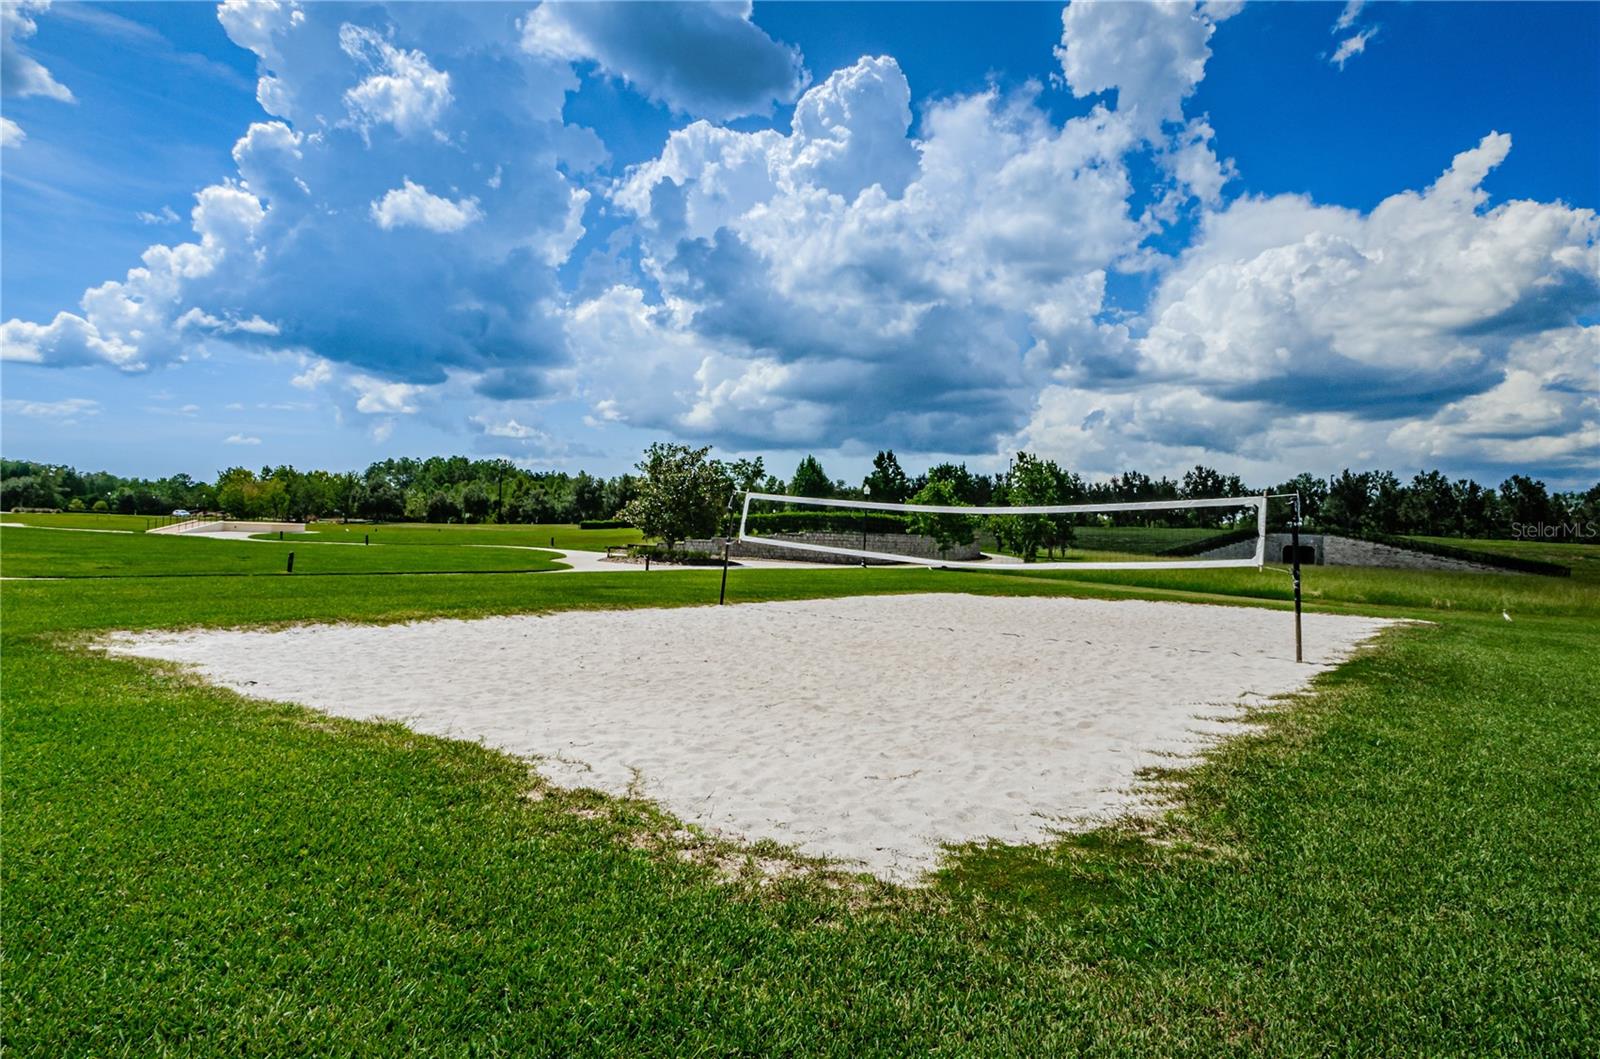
(681, 493)
(1383, 513)
(475, 501)
(1033, 481)
(1349, 496)
(974, 489)
(947, 531)
(888, 480)
(810, 479)
(1313, 494)
(1477, 509)
(1205, 483)
(1527, 502)
(442, 507)
(1429, 505)
(747, 475)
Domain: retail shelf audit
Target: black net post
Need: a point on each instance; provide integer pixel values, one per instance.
(722, 597)
(866, 491)
(1294, 551)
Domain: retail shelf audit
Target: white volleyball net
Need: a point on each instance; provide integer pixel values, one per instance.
(1144, 535)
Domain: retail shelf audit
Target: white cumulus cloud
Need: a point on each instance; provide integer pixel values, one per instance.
(315, 374)
(1436, 329)
(1152, 54)
(21, 74)
(293, 240)
(413, 205)
(403, 90)
(134, 322)
(845, 279)
(399, 230)
(382, 397)
(1425, 292)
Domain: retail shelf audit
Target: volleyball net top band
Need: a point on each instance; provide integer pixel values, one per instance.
(1095, 528)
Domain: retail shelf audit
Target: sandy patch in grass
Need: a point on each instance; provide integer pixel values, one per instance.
(867, 729)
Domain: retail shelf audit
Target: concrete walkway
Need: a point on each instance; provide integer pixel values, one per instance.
(242, 535)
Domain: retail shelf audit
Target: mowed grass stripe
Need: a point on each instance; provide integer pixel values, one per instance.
(124, 523)
(29, 553)
(566, 536)
(1582, 559)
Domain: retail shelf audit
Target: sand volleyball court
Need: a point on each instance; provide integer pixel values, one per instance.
(867, 729)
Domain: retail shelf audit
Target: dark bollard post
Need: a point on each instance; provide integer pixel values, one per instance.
(647, 562)
(722, 597)
(280, 535)
(291, 562)
(552, 542)
(366, 538)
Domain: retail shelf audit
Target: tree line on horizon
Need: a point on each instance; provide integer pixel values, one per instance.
(458, 489)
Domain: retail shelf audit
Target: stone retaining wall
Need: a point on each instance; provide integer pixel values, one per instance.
(898, 543)
(1332, 550)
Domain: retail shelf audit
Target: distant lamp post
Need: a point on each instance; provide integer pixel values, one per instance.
(866, 491)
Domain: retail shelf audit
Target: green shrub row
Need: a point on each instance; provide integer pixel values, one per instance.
(1495, 559)
(679, 556)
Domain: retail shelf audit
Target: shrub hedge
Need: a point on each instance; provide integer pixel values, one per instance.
(1495, 559)
(678, 556)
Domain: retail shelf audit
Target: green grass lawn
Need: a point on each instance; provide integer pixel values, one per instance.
(1406, 860)
(130, 523)
(567, 536)
(1138, 540)
(1582, 559)
(34, 553)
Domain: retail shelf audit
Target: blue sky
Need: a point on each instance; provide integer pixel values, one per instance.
(1269, 237)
